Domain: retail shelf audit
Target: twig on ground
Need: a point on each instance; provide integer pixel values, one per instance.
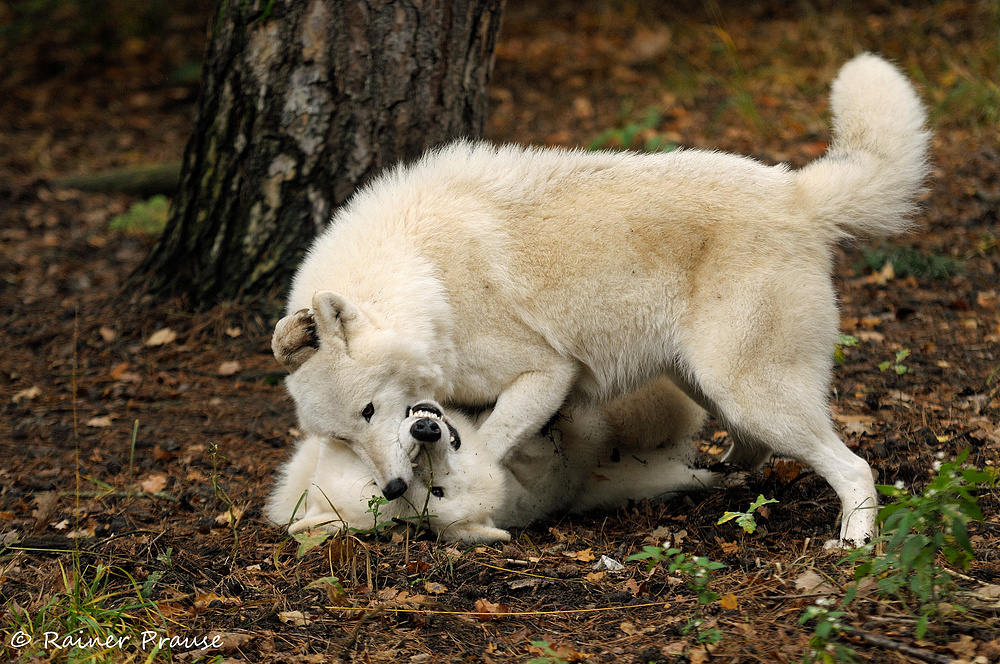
(889, 644)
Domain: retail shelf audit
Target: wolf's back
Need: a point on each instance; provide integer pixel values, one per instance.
(877, 162)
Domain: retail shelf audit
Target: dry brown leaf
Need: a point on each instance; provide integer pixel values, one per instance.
(229, 516)
(434, 587)
(674, 648)
(870, 335)
(964, 647)
(856, 424)
(45, 507)
(28, 394)
(634, 587)
(488, 610)
(161, 337)
(729, 602)
(296, 618)
(100, 421)
(811, 582)
(154, 483)
(229, 368)
(729, 548)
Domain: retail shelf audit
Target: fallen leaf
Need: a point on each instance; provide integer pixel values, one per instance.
(729, 602)
(154, 483)
(107, 334)
(586, 556)
(661, 533)
(81, 533)
(527, 582)
(488, 610)
(229, 368)
(699, 655)
(674, 648)
(856, 424)
(811, 582)
(45, 507)
(161, 337)
(230, 515)
(296, 618)
(632, 629)
(100, 421)
(595, 577)
(434, 587)
(634, 587)
(28, 394)
(234, 331)
(964, 647)
(870, 335)
(607, 563)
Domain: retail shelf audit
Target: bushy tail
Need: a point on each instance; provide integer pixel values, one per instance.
(877, 163)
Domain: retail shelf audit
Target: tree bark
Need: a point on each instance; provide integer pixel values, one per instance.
(302, 102)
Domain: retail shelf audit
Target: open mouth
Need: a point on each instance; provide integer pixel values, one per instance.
(433, 412)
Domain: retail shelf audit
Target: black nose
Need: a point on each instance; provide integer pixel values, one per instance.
(394, 489)
(426, 430)
(427, 408)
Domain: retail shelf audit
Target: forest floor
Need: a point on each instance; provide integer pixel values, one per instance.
(139, 444)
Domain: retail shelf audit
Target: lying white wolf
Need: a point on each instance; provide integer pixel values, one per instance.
(632, 448)
(528, 277)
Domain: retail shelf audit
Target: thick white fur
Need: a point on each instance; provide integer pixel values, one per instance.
(527, 277)
(478, 496)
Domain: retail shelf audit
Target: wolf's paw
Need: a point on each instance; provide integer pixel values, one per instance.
(295, 340)
(475, 534)
(329, 521)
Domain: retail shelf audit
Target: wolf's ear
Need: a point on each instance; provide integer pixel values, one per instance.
(294, 340)
(336, 317)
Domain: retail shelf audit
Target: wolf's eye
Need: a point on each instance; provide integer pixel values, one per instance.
(368, 412)
(437, 491)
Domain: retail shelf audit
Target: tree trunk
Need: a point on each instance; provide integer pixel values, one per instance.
(302, 102)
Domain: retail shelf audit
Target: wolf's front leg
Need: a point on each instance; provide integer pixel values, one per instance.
(527, 404)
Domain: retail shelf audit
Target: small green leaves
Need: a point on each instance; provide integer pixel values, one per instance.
(746, 520)
(845, 341)
(897, 365)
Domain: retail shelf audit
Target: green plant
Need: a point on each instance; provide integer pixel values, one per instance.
(232, 513)
(897, 364)
(88, 620)
(844, 341)
(696, 571)
(745, 520)
(822, 646)
(636, 135)
(907, 260)
(148, 217)
(547, 654)
(917, 531)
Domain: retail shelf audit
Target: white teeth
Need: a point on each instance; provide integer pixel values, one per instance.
(424, 413)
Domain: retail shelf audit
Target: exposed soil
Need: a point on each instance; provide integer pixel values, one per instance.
(155, 460)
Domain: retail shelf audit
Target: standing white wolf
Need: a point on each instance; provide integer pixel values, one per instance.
(529, 277)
